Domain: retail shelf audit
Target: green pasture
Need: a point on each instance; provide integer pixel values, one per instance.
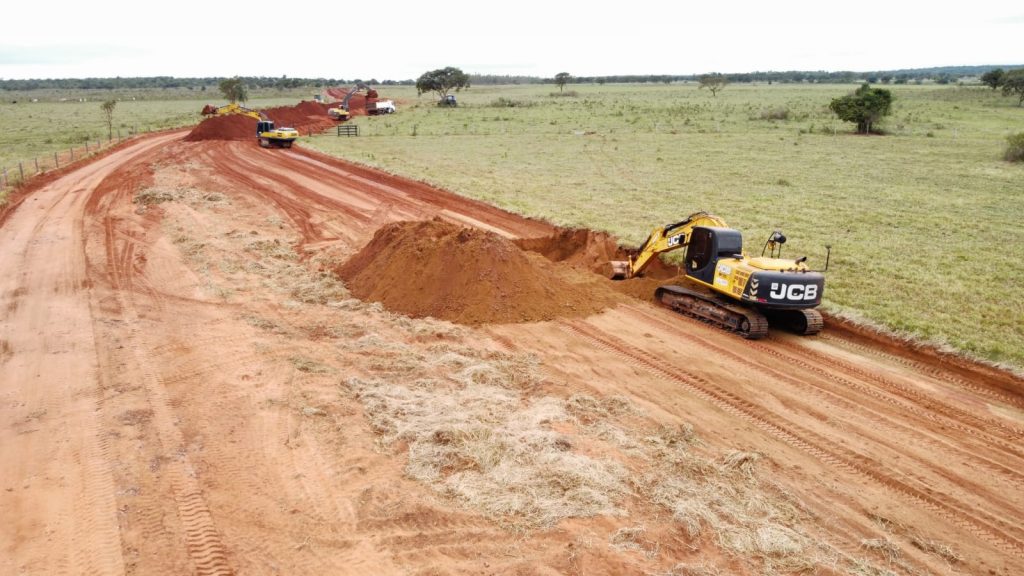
(924, 223)
(57, 121)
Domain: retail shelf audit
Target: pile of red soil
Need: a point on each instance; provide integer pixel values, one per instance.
(230, 127)
(439, 269)
(306, 117)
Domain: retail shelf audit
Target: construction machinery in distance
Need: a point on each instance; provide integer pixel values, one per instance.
(726, 287)
(374, 106)
(266, 134)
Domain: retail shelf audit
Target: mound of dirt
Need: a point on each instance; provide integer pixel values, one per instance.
(230, 127)
(470, 276)
(306, 117)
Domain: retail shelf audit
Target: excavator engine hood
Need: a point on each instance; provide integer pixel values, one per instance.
(785, 290)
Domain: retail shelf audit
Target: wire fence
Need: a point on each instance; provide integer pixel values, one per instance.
(15, 175)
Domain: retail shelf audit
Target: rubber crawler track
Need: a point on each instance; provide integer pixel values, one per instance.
(802, 439)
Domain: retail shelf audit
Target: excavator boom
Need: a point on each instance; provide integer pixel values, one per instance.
(663, 239)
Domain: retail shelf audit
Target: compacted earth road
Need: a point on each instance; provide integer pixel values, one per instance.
(187, 388)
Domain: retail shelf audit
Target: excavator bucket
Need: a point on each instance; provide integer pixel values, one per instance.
(619, 269)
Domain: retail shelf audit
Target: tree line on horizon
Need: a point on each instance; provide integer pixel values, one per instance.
(939, 75)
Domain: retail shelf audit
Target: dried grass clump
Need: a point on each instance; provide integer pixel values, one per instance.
(883, 547)
(152, 196)
(688, 570)
(586, 409)
(271, 249)
(308, 365)
(633, 538)
(160, 194)
(748, 519)
(939, 549)
(742, 461)
(484, 445)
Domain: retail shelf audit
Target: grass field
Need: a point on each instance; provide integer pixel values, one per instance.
(924, 223)
(38, 129)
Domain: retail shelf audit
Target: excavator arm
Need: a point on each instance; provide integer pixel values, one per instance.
(664, 239)
(359, 86)
(234, 108)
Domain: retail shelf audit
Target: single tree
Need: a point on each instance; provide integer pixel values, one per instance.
(108, 113)
(442, 81)
(864, 107)
(1013, 85)
(993, 78)
(713, 82)
(234, 89)
(561, 78)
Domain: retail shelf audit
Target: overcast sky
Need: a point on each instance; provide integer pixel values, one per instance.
(397, 40)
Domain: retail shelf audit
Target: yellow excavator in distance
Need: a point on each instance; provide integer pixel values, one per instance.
(725, 286)
(266, 134)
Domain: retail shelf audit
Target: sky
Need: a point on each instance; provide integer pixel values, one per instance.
(400, 40)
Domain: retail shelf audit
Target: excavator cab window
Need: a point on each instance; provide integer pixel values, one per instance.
(698, 254)
(707, 245)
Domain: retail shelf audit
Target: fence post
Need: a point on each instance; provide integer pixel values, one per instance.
(86, 146)
(72, 153)
(37, 165)
(6, 181)
(21, 171)
(56, 160)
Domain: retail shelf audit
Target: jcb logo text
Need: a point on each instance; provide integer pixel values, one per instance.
(793, 291)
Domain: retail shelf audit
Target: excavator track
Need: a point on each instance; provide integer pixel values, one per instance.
(804, 322)
(747, 322)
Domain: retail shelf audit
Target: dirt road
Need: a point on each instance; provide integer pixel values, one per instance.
(184, 389)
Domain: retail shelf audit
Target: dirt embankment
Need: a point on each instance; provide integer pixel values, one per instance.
(466, 275)
(306, 117)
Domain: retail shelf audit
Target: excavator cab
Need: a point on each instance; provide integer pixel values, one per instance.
(706, 246)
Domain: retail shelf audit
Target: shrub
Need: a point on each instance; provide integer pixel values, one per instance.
(503, 102)
(1015, 148)
(775, 114)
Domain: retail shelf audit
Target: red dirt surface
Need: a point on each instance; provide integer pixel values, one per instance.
(470, 276)
(170, 405)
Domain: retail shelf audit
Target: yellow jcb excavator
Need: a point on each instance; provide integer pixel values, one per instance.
(266, 134)
(728, 288)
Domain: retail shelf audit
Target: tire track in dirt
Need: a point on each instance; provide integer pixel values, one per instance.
(852, 404)
(801, 438)
(202, 540)
(944, 375)
(56, 360)
(900, 434)
(990, 430)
